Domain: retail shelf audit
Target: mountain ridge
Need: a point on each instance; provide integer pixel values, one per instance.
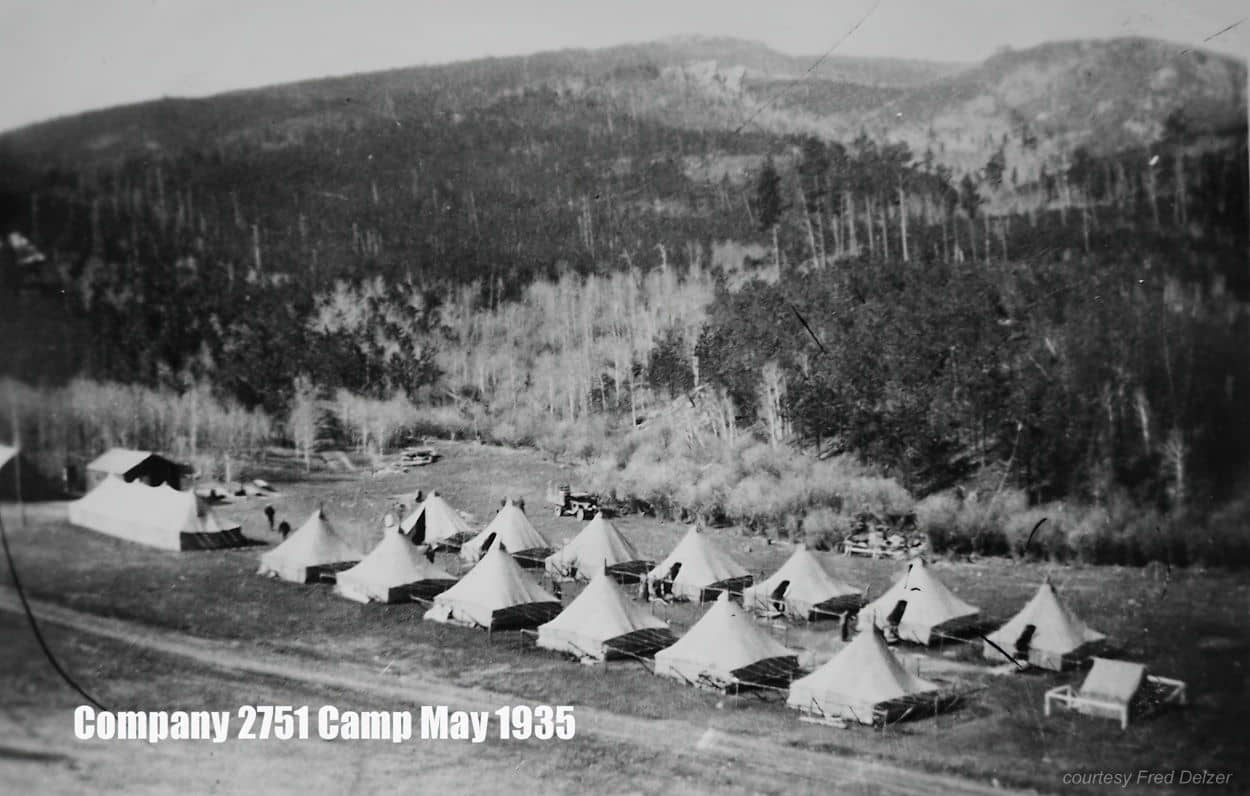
(1108, 94)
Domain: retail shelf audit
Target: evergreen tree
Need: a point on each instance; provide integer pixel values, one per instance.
(768, 203)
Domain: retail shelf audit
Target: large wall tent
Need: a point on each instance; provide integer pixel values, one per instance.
(159, 516)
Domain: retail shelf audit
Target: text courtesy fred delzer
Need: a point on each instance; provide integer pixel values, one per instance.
(328, 723)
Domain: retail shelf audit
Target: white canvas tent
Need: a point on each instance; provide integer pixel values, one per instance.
(394, 571)
(496, 595)
(697, 569)
(919, 606)
(313, 550)
(1044, 632)
(864, 682)
(159, 516)
(596, 547)
(802, 587)
(512, 529)
(725, 649)
(602, 622)
(435, 522)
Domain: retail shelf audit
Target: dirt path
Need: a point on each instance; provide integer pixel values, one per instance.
(754, 760)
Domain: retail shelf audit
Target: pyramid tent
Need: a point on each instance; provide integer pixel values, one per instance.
(1045, 632)
(856, 682)
(602, 621)
(920, 604)
(496, 595)
(701, 567)
(803, 586)
(313, 549)
(394, 571)
(725, 649)
(159, 516)
(595, 547)
(435, 522)
(512, 529)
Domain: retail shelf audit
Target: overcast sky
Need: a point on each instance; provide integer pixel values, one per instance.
(64, 56)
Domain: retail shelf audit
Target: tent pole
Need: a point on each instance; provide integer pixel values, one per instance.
(17, 456)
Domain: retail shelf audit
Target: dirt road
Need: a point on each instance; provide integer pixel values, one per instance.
(758, 764)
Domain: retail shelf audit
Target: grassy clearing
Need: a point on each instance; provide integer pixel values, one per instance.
(1181, 622)
(38, 752)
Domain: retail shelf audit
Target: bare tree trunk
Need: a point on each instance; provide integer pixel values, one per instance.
(1152, 190)
(985, 218)
(851, 241)
(837, 237)
(885, 229)
(872, 242)
(256, 247)
(902, 220)
(1067, 202)
(1085, 225)
(820, 228)
(807, 219)
(972, 238)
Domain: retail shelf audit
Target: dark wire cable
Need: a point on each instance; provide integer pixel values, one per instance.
(34, 626)
(810, 69)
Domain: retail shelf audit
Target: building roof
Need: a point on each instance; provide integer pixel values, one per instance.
(119, 461)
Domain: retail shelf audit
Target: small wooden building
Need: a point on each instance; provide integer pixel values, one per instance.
(131, 465)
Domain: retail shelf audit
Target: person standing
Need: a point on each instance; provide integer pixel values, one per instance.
(269, 514)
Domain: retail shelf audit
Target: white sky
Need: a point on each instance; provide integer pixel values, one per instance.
(64, 56)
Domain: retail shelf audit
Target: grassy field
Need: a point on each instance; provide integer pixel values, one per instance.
(1184, 623)
(38, 753)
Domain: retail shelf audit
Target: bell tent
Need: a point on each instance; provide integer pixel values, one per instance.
(435, 522)
(602, 622)
(726, 650)
(394, 571)
(596, 547)
(512, 529)
(1045, 633)
(495, 595)
(918, 607)
(801, 588)
(159, 516)
(698, 569)
(314, 551)
(864, 682)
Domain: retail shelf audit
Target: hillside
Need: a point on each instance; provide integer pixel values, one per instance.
(1028, 272)
(1106, 95)
(171, 124)
(1116, 92)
